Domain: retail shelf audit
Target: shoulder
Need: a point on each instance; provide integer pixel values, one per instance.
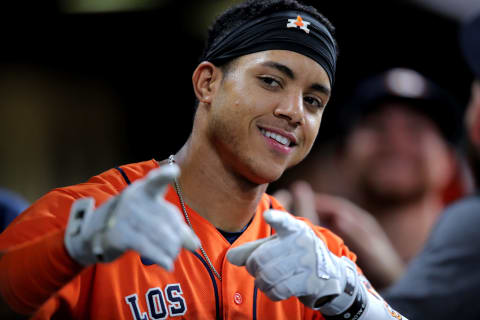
(334, 243)
(461, 218)
(467, 206)
(55, 205)
(112, 181)
(130, 172)
(451, 250)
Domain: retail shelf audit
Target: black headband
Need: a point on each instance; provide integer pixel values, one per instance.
(285, 30)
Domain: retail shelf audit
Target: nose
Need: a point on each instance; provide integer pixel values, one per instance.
(399, 135)
(291, 109)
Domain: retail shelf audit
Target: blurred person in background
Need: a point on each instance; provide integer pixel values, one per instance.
(396, 161)
(443, 281)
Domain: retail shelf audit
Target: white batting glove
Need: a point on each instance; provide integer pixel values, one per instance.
(295, 262)
(138, 219)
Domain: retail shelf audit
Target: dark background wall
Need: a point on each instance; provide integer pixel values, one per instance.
(82, 92)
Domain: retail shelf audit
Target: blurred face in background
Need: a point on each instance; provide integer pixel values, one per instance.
(472, 123)
(396, 155)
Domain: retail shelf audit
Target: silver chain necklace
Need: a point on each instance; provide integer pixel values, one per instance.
(171, 160)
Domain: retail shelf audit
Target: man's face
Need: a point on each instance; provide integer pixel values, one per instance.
(266, 113)
(397, 155)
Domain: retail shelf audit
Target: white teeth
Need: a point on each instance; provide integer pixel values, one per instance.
(281, 139)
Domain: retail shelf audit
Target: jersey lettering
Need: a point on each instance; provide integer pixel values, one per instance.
(132, 302)
(156, 304)
(177, 305)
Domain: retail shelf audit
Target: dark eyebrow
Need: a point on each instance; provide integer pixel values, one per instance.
(280, 67)
(319, 87)
(289, 73)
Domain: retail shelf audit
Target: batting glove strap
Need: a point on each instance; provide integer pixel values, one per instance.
(85, 229)
(351, 291)
(355, 311)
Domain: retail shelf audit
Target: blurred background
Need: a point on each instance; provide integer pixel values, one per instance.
(88, 85)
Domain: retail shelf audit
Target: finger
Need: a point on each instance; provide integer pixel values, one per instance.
(326, 202)
(285, 198)
(239, 255)
(148, 250)
(157, 180)
(327, 208)
(304, 201)
(163, 236)
(284, 289)
(283, 223)
(163, 222)
(189, 239)
(271, 250)
(276, 271)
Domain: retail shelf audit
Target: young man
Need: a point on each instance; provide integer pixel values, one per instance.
(111, 248)
(442, 282)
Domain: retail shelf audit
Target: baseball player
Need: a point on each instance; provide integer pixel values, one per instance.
(195, 236)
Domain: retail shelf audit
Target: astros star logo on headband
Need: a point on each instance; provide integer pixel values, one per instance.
(298, 23)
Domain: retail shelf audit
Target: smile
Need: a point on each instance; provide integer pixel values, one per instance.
(277, 137)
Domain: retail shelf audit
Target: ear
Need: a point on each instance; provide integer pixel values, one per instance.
(205, 79)
(472, 115)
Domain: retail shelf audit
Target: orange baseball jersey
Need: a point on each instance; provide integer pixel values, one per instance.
(38, 276)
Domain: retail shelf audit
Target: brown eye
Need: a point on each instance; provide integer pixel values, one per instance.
(271, 82)
(313, 101)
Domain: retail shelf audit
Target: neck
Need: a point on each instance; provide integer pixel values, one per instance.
(213, 189)
(409, 225)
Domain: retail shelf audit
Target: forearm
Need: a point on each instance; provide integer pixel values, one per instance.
(31, 273)
(366, 305)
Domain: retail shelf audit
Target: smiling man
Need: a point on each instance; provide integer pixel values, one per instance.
(114, 247)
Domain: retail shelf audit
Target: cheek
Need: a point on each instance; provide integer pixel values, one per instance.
(245, 100)
(312, 125)
(436, 158)
(362, 144)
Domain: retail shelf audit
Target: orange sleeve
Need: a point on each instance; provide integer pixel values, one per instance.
(33, 272)
(34, 263)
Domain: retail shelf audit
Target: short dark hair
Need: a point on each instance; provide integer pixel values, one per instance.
(248, 10)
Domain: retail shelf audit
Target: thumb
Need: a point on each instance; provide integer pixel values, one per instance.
(190, 240)
(283, 223)
(239, 255)
(157, 180)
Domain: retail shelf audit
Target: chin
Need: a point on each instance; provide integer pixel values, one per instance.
(262, 168)
(264, 178)
(267, 175)
(394, 194)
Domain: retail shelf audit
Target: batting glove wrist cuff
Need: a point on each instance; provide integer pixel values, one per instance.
(85, 230)
(351, 290)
